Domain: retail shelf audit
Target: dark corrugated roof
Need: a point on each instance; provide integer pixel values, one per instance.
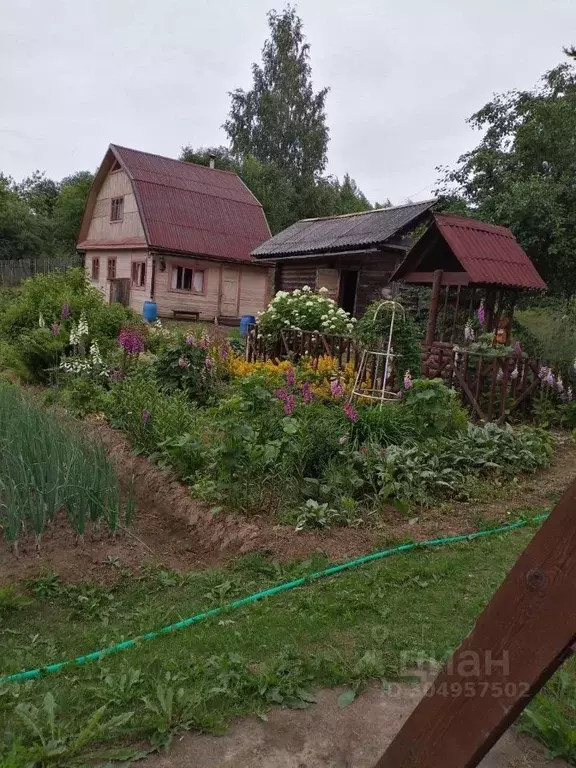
(488, 253)
(192, 208)
(354, 230)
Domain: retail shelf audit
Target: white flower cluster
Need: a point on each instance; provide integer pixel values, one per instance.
(78, 332)
(41, 321)
(305, 310)
(92, 363)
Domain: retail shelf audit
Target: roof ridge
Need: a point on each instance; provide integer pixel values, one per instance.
(372, 210)
(173, 159)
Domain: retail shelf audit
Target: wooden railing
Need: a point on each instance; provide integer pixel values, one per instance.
(491, 387)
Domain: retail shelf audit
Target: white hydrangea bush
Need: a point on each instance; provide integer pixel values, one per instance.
(304, 310)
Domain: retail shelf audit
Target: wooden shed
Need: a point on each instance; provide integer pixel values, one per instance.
(353, 256)
(177, 233)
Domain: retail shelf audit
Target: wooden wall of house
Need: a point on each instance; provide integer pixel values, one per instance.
(292, 276)
(374, 275)
(116, 184)
(124, 261)
(229, 290)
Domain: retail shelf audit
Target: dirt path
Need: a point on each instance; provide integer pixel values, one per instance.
(325, 736)
(173, 530)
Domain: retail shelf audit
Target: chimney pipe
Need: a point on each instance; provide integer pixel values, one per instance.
(212, 157)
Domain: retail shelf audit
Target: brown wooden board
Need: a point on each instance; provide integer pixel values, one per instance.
(523, 635)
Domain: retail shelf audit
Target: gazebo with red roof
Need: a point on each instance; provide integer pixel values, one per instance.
(472, 261)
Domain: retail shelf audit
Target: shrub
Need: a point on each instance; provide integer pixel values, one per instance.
(40, 351)
(82, 396)
(433, 408)
(188, 366)
(147, 415)
(304, 310)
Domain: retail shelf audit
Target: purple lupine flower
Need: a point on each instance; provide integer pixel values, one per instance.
(282, 395)
(65, 311)
(336, 388)
(289, 405)
(518, 348)
(183, 363)
(550, 378)
(190, 340)
(146, 416)
(55, 328)
(408, 383)
(209, 363)
(481, 313)
(350, 412)
(307, 395)
(131, 341)
(290, 377)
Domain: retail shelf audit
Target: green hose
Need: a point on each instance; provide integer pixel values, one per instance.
(96, 655)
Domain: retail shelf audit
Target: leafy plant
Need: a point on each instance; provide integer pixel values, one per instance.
(187, 366)
(551, 716)
(433, 408)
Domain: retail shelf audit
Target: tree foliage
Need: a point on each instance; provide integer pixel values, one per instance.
(281, 120)
(41, 217)
(522, 173)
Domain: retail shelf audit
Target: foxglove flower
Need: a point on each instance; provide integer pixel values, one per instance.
(515, 373)
(289, 405)
(408, 383)
(468, 332)
(41, 321)
(190, 340)
(560, 385)
(209, 363)
(55, 328)
(290, 377)
(307, 395)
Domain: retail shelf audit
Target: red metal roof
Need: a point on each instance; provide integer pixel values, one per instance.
(488, 254)
(193, 209)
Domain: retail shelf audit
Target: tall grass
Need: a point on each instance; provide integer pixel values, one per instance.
(46, 467)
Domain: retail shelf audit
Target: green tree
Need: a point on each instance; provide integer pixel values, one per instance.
(281, 120)
(522, 173)
(39, 192)
(23, 234)
(69, 208)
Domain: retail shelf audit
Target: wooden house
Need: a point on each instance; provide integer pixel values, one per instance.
(353, 256)
(176, 233)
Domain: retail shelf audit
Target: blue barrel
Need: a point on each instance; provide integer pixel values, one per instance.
(245, 321)
(150, 311)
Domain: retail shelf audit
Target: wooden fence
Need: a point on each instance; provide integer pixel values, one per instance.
(13, 271)
(491, 387)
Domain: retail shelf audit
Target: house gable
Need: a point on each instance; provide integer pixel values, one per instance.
(98, 226)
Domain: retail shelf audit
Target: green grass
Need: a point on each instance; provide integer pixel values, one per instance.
(554, 330)
(342, 630)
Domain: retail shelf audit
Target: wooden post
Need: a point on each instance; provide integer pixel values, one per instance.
(433, 313)
(527, 630)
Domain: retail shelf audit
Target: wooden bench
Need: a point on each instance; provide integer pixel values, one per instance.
(185, 314)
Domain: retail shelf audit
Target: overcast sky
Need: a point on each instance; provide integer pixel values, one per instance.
(76, 75)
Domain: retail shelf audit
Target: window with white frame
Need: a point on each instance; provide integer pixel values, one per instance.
(187, 279)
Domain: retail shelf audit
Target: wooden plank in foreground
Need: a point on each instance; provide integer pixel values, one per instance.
(526, 631)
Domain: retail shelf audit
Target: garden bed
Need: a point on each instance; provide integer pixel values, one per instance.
(172, 530)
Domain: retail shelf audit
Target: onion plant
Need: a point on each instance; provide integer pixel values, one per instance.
(47, 467)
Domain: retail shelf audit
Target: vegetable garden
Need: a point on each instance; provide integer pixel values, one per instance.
(278, 442)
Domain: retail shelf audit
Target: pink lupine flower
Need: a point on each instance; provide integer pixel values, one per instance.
(290, 377)
(481, 313)
(131, 341)
(289, 405)
(307, 395)
(408, 383)
(336, 388)
(350, 412)
(282, 395)
(183, 363)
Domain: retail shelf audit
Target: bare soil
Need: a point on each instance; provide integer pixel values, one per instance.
(325, 736)
(173, 530)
